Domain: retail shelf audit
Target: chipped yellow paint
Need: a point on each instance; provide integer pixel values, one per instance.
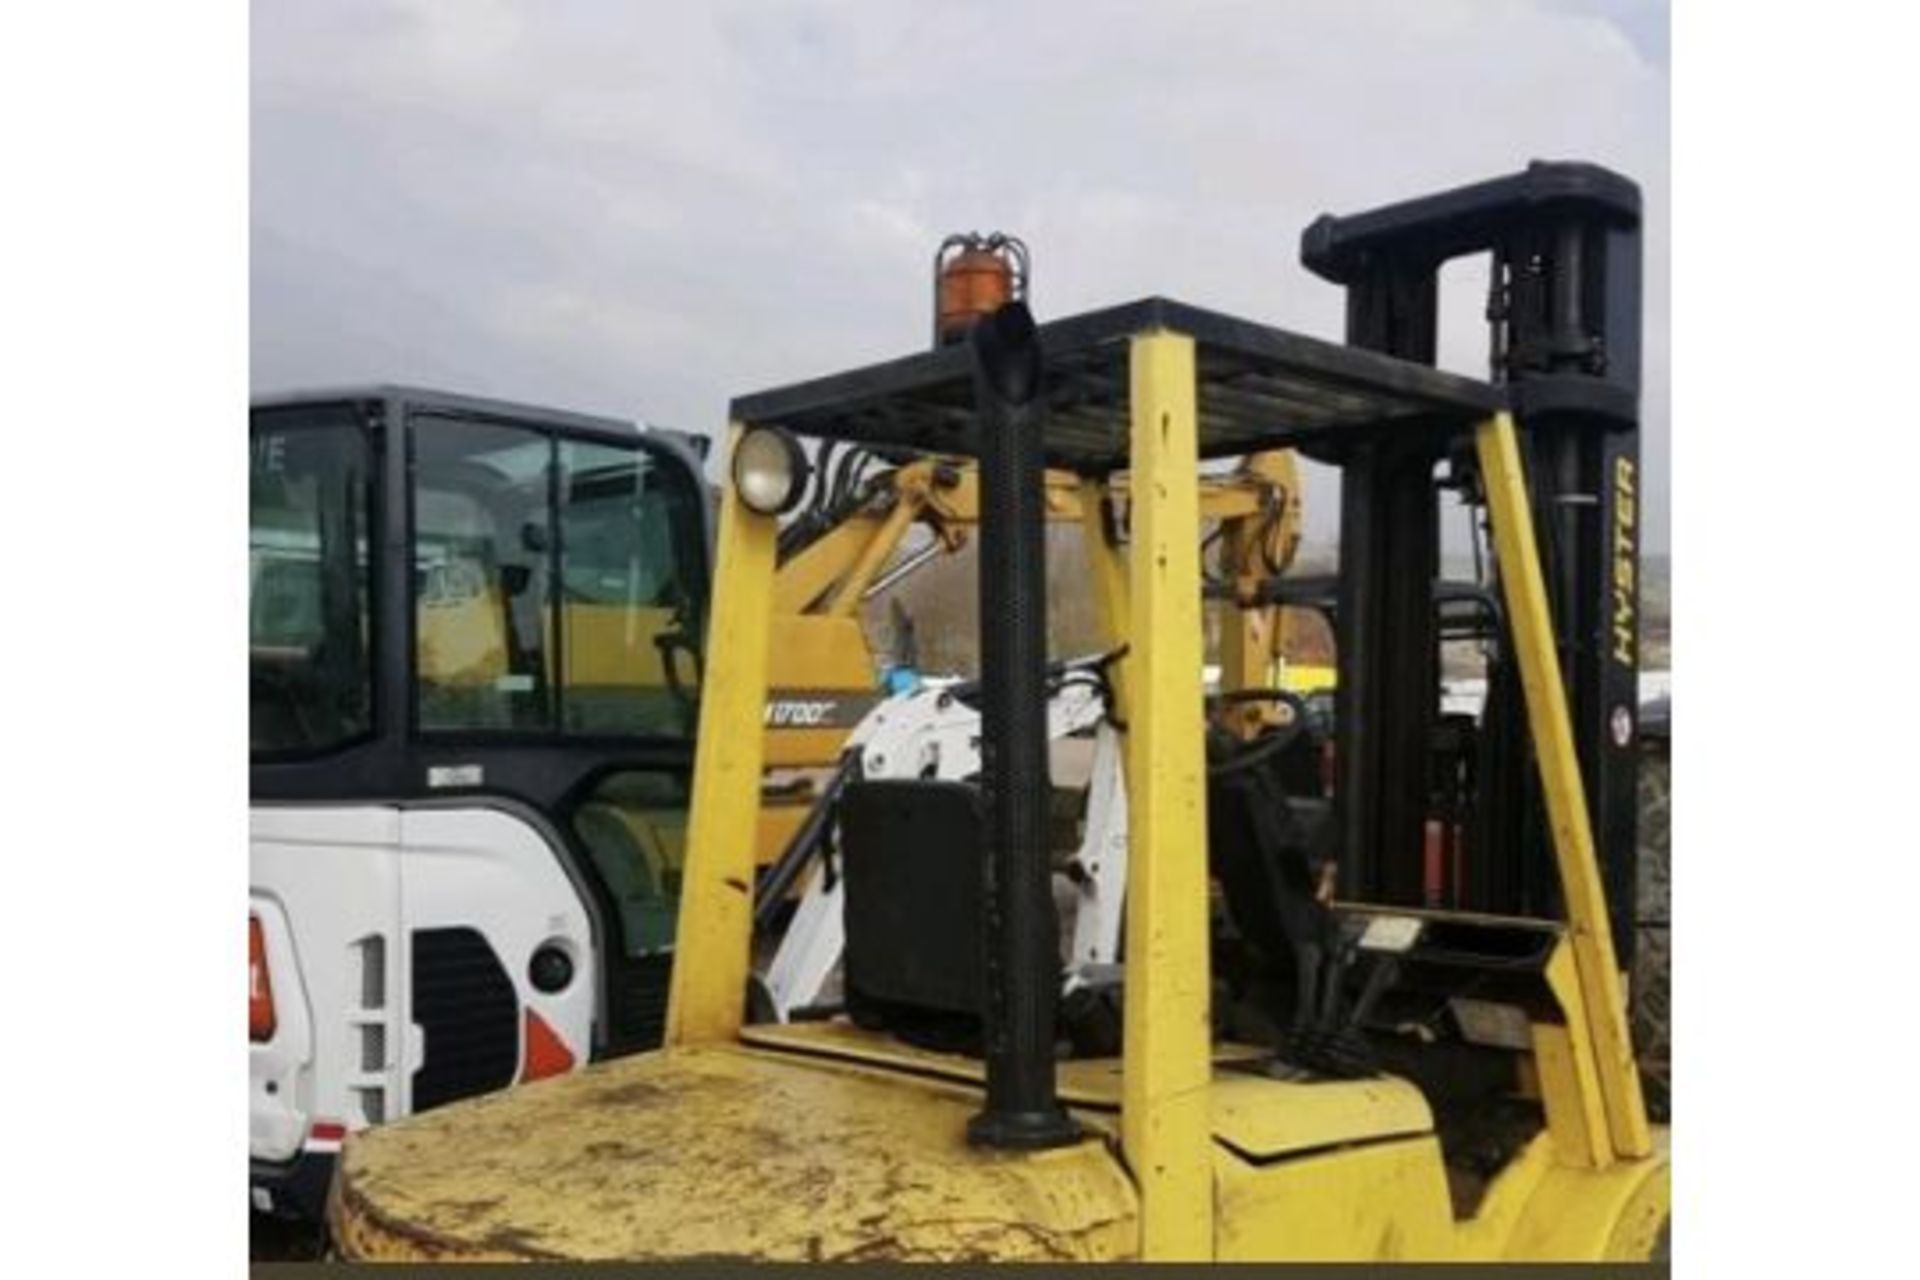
(1541, 1209)
(1167, 1019)
(1552, 730)
(1262, 1118)
(1610, 1215)
(1569, 1079)
(723, 1152)
(1505, 1202)
(1250, 1113)
(705, 999)
(1093, 1082)
(1384, 1202)
(781, 1151)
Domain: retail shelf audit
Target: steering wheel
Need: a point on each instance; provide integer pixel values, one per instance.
(1269, 744)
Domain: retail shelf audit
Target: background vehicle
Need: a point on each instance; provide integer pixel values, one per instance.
(472, 642)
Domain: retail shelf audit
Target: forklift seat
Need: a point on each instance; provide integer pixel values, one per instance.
(1267, 843)
(910, 852)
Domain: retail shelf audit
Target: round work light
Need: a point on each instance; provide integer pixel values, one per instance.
(770, 470)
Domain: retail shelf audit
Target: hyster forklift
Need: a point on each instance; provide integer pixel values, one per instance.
(474, 661)
(1311, 1064)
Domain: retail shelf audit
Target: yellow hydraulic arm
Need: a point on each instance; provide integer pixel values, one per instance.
(822, 670)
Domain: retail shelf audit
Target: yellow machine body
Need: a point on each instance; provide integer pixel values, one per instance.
(821, 1140)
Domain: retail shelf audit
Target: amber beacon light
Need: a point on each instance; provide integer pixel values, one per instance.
(973, 276)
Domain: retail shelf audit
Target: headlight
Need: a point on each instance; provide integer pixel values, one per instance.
(770, 470)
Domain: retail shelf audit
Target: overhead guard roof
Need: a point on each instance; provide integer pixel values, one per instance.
(1259, 387)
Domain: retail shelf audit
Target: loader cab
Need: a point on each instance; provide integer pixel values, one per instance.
(460, 605)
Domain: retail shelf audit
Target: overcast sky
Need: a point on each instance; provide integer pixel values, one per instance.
(644, 209)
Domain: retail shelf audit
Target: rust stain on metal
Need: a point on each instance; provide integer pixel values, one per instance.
(633, 1093)
(723, 1152)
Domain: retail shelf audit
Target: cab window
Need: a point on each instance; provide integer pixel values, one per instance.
(555, 583)
(311, 685)
(481, 561)
(630, 566)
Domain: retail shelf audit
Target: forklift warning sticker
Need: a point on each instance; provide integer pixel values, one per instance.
(1390, 933)
(1492, 1025)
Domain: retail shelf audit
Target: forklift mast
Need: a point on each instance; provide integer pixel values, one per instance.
(1564, 337)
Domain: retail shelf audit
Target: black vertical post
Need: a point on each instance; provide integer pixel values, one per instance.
(1021, 935)
(1388, 690)
(391, 540)
(1575, 377)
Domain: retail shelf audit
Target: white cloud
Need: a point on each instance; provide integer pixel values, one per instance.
(646, 210)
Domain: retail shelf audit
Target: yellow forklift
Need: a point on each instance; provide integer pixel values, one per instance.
(1309, 1064)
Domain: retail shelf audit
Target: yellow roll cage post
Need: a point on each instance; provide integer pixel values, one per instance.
(1167, 1059)
(713, 944)
(1589, 933)
(852, 1138)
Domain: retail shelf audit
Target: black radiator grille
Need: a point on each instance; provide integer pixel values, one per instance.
(466, 1006)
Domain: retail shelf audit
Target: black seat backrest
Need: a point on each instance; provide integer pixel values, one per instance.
(911, 855)
(1265, 842)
